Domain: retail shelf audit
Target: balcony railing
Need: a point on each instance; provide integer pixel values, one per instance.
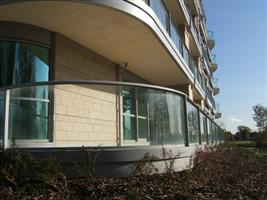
(211, 40)
(216, 89)
(105, 113)
(218, 113)
(213, 66)
(209, 97)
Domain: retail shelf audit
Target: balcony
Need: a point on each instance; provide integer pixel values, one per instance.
(218, 114)
(216, 89)
(213, 66)
(211, 40)
(106, 113)
(209, 98)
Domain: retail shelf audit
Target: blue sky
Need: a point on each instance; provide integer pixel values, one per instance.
(240, 28)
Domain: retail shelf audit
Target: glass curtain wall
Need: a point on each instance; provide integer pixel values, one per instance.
(152, 116)
(193, 123)
(25, 63)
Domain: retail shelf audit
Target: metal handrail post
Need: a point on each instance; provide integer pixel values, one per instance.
(7, 100)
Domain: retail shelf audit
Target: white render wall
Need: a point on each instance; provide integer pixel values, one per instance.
(83, 114)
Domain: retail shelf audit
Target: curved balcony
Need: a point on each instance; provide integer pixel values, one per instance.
(218, 113)
(216, 89)
(214, 65)
(93, 113)
(211, 40)
(122, 31)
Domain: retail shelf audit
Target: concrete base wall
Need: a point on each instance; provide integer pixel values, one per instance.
(117, 161)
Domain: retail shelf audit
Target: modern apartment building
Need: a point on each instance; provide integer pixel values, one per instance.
(127, 76)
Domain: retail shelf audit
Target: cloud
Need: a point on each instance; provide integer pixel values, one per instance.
(235, 119)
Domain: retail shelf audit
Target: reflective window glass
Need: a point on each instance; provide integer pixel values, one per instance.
(28, 110)
(160, 11)
(193, 123)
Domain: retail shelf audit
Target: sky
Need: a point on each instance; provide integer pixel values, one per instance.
(240, 28)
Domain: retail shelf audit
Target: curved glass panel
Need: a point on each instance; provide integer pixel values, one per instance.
(23, 63)
(89, 114)
(28, 112)
(193, 123)
(152, 116)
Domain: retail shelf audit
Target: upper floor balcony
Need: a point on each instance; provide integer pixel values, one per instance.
(216, 89)
(218, 113)
(214, 65)
(211, 40)
(193, 6)
(209, 98)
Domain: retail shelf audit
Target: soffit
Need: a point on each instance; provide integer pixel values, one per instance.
(109, 32)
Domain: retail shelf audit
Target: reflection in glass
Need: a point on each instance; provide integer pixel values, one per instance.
(209, 126)
(129, 114)
(159, 9)
(193, 126)
(186, 54)
(22, 63)
(203, 128)
(129, 126)
(28, 113)
(176, 38)
(159, 117)
(26, 63)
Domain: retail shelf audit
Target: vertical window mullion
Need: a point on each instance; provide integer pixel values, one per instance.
(136, 116)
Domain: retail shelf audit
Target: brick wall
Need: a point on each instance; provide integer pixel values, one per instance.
(83, 114)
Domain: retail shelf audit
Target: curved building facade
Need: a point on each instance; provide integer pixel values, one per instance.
(126, 76)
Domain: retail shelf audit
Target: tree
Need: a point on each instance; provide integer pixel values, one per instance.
(260, 117)
(243, 132)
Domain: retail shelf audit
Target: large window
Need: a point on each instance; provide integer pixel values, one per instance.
(160, 11)
(203, 128)
(209, 128)
(28, 111)
(152, 116)
(193, 123)
(176, 38)
(23, 63)
(186, 55)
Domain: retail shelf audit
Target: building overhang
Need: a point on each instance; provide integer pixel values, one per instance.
(131, 37)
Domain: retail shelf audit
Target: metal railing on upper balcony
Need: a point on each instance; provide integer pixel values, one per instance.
(217, 107)
(211, 40)
(213, 59)
(210, 97)
(211, 35)
(215, 82)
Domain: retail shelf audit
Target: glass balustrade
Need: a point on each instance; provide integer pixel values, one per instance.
(193, 123)
(110, 113)
(203, 128)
